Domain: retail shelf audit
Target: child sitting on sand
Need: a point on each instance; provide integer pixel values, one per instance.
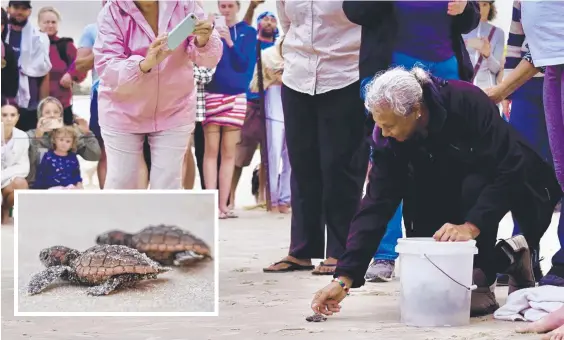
(59, 167)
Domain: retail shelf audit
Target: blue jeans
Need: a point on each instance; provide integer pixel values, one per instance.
(447, 69)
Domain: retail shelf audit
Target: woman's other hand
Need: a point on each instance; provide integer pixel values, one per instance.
(39, 131)
(495, 93)
(456, 7)
(66, 81)
(326, 301)
(485, 50)
(203, 31)
(82, 125)
(154, 53)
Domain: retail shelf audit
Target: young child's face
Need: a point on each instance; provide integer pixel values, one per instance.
(63, 143)
(51, 110)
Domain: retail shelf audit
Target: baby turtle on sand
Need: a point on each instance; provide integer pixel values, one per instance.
(105, 268)
(165, 244)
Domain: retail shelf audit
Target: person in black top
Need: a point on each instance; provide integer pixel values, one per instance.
(10, 71)
(443, 148)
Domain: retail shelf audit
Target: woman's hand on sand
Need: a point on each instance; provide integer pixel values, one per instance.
(203, 31)
(456, 7)
(326, 301)
(456, 233)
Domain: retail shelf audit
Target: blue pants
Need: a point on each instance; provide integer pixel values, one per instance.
(527, 117)
(447, 69)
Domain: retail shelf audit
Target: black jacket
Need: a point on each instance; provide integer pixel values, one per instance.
(10, 73)
(379, 28)
(466, 129)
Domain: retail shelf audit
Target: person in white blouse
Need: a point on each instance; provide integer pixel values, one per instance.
(15, 159)
(325, 128)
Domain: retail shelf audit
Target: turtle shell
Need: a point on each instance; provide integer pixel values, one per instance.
(168, 240)
(99, 263)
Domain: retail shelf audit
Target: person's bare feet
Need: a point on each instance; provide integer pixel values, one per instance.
(274, 209)
(326, 266)
(284, 209)
(553, 323)
(282, 265)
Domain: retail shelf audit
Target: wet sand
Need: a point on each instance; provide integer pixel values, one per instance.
(257, 305)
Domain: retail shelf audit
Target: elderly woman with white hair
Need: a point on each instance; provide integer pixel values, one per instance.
(442, 147)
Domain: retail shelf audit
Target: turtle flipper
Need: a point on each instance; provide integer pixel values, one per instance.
(41, 280)
(107, 287)
(187, 257)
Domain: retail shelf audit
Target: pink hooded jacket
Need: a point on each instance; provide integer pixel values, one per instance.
(130, 101)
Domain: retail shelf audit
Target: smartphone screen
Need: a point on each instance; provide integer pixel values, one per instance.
(220, 21)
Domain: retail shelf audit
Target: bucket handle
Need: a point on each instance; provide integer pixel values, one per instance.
(471, 288)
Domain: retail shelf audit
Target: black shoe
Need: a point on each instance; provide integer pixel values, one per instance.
(520, 271)
(483, 300)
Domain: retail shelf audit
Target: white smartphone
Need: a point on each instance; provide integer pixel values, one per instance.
(182, 31)
(220, 21)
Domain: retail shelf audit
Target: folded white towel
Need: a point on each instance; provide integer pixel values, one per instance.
(531, 304)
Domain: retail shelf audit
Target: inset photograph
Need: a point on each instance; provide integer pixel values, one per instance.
(129, 252)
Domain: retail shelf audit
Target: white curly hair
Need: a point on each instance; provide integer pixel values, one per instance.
(397, 89)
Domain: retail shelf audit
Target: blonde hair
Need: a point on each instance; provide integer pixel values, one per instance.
(48, 9)
(65, 131)
(46, 101)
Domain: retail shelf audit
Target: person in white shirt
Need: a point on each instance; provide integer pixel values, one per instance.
(15, 159)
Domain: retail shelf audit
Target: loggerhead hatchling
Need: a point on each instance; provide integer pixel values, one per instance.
(104, 268)
(168, 245)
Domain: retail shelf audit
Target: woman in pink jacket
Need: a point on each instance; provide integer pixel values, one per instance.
(143, 87)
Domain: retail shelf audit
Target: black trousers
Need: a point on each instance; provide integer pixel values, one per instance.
(325, 136)
(445, 195)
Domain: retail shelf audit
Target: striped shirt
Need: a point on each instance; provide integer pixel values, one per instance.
(517, 47)
(202, 76)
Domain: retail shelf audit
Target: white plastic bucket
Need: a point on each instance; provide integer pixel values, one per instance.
(436, 281)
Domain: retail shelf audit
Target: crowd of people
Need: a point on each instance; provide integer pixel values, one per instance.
(416, 100)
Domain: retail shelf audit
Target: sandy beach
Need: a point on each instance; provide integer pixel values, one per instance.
(256, 305)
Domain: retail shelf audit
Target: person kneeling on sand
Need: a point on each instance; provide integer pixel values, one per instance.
(443, 148)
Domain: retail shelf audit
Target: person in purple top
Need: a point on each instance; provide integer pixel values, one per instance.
(409, 33)
(59, 167)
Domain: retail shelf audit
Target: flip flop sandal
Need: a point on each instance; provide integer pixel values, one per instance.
(223, 216)
(292, 267)
(324, 273)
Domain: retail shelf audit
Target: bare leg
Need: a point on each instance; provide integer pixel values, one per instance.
(237, 171)
(8, 196)
(553, 323)
(211, 151)
(188, 169)
(102, 166)
(262, 185)
(228, 148)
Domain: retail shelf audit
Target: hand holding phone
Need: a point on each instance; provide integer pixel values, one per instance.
(182, 31)
(48, 124)
(220, 21)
